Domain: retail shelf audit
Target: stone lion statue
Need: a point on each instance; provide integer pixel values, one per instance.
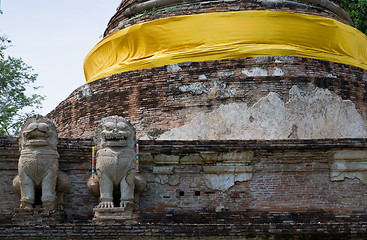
(115, 164)
(38, 167)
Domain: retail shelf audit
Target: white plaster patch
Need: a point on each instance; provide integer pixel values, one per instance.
(241, 177)
(202, 77)
(223, 181)
(284, 59)
(220, 182)
(173, 68)
(307, 115)
(278, 72)
(330, 75)
(196, 88)
(86, 91)
(255, 72)
(226, 74)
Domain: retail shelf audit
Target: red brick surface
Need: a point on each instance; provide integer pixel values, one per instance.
(149, 97)
(290, 186)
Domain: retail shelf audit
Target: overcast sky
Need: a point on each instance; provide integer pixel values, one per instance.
(54, 37)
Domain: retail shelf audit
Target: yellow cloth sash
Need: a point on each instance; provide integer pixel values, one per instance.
(225, 35)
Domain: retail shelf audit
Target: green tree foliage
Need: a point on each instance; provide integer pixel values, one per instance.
(357, 10)
(16, 78)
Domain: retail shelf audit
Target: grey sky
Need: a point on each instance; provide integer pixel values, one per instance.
(54, 37)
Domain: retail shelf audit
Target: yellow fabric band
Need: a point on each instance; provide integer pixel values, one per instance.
(225, 35)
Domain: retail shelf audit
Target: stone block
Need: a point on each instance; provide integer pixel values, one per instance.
(145, 157)
(236, 157)
(191, 159)
(349, 164)
(218, 169)
(350, 154)
(167, 170)
(111, 215)
(209, 157)
(174, 180)
(166, 159)
(244, 169)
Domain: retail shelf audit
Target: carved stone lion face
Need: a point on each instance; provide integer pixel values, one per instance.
(38, 131)
(114, 131)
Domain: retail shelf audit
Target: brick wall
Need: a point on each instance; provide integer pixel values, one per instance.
(154, 104)
(289, 191)
(75, 162)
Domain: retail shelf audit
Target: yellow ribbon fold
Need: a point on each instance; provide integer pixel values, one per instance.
(225, 35)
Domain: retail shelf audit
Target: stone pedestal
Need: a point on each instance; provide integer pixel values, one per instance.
(117, 214)
(40, 216)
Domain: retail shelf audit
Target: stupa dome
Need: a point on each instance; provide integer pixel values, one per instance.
(188, 70)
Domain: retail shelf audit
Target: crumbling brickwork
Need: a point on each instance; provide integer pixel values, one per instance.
(159, 99)
(288, 190)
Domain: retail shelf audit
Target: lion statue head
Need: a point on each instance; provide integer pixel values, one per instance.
(114, 131)
(38, 131)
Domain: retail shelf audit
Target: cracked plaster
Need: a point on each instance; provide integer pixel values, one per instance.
(307, 115)
(349, 164)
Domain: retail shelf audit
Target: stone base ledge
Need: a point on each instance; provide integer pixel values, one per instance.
(117, 214)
